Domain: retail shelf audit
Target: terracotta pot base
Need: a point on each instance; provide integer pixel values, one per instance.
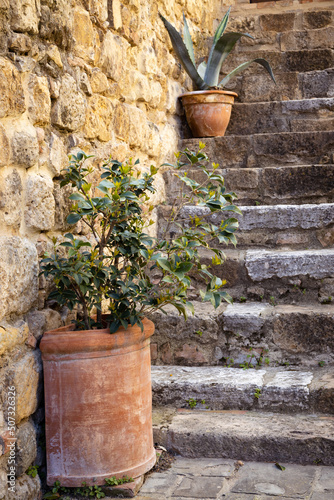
(208, 112)
(98, 404)
(71, 481)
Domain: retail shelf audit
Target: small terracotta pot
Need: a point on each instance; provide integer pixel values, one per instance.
(208, 111)
(98, 404)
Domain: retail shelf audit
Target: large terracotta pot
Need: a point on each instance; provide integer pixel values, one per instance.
(208, 111)
(98, 404)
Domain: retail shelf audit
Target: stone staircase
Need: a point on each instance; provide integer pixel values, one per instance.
(258, 374)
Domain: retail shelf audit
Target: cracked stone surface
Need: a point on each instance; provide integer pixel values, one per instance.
(248, 435)
(207, 478)
(220, 388)
(262, 264)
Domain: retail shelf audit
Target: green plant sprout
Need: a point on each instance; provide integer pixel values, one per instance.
(257, 393)
(191, 402)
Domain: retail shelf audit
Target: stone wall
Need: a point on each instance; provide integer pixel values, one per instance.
(96, 75)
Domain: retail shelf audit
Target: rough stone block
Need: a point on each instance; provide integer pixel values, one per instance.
(286, 148)
(40, 203)
(303, 40)
(25, 375)
(26, 447)
(99, 118)
(174, 327)
(257, 118)
(42, 321)
(160, 484)
(200, 487)
(130, 125)
(115, 15)
(54, 55)
(174, 91)
(18, 272)
(62, 206)
(39, 107)
(83, 35)
(10, 198)
(24, 15)
(85, 84)
(309, 60)
(4, 147)
(58, 159)
(98, 8)
(268, 217)
(12, 335)
(303, 329)
(126, 490)
(285, 387)
(326, 237)
(69, 111)
(259, 88)
(220, 388)
(263, 264)
(99, 81)
(317, 84)
(317, 19)
(20, 43)
(278, 22)
(244, 319)
(12, 100)
(25, 147)
(27, 488)
(113, 59)
(295, 482)
(208, 467)
(298, 182)
(142, 88)
(147, 61)
(252, 436)
(190, 354)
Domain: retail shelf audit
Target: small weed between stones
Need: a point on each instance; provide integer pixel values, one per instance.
(257, 393)
(32, 470)
(85, 491)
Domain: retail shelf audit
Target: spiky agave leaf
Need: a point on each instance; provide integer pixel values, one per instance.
(244, 66)
(220, 52)
(218, 33)
(221, 28)
(201, 69)
(183, 55)
(187, 40)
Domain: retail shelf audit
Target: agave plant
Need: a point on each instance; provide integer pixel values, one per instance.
(206, 75)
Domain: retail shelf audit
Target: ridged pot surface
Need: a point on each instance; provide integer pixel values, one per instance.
(208, 112)
(98, 404)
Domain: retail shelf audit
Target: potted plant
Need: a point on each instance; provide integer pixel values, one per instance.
(208, 110)
(97, 370)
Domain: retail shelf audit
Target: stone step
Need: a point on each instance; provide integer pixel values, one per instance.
(277, 273)
(291, 40)
(268, 150)
(289, 86)
(292, 226)
(274, 275)
(251, 19)
(282, 62)
(302, 439)
(257, 334)
(285, 116)
(218, 388)
(286, 184)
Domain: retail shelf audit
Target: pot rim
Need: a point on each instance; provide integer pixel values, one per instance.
(201, 92)
(64, 340)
